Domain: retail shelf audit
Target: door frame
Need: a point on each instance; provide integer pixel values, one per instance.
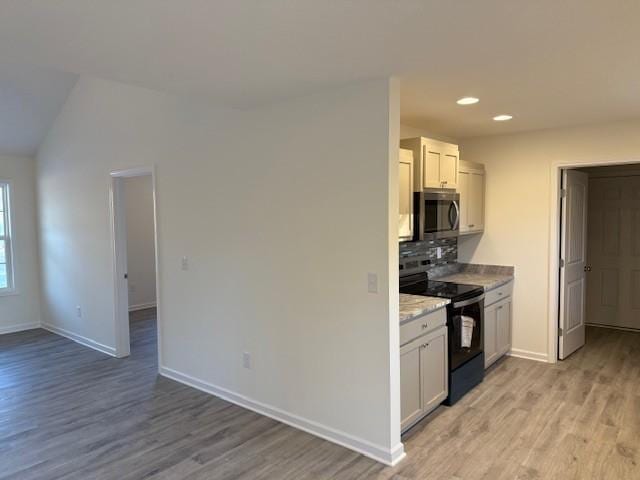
(121, 322)
(554, 243)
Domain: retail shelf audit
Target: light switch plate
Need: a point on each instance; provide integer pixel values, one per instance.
(372, 283)
(246, 360)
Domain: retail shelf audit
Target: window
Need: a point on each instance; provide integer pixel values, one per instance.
(6, 270)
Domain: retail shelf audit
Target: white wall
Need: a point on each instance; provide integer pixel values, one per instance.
(21, 311)
(407, 131)
(281, 211)
(141, 261)
(517, 224)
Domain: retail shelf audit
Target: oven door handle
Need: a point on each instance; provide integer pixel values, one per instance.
(465, 303)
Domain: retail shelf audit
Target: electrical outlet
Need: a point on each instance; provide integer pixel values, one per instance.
(372, 283)
(79, 311)
(184, 263)
(246, 360)
(439, 252)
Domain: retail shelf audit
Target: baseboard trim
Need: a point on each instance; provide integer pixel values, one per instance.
(376, 452)
(20, 327)
(142, 306)
(624, 329)
(526, 354)
(87, 342)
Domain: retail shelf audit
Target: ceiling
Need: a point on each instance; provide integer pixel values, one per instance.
(548, 63)
(30, 99)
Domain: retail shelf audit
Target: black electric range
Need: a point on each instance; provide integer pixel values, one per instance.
(465, 329)
(419, 284)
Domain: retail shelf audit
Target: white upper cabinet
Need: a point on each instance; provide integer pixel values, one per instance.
(435, 163)
(405, 177)
(471, 189)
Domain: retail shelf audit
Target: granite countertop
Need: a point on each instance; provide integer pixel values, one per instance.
(487, 280)
(412, 306)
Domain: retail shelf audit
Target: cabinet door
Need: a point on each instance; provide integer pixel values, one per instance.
(405, 178)
(431, 167)
(410, 384)
(490, 334)
(503, 327)
(449, 169)
(463, 190)
(476, 201)
(433, 363)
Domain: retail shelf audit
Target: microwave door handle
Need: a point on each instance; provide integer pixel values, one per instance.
(449, 216)
(456, 223)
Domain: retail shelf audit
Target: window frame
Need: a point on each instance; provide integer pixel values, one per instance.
(8, 238)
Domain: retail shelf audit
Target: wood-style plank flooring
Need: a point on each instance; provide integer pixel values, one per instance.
(68, 412)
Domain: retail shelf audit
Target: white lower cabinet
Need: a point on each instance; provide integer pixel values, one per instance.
(497, 325)
(490, 340)
(410, 380)
(423, 374)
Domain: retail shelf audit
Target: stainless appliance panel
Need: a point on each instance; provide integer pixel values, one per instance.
(438, 214)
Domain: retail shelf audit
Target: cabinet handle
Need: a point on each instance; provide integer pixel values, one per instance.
(471, 226)
(425, 325)
(444, 183)
(499, 294)
(424, 345)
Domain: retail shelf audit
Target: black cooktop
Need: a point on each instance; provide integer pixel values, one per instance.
(419, 284)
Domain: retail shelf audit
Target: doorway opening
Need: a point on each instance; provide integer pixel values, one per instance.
(136, 302)
(599, 256)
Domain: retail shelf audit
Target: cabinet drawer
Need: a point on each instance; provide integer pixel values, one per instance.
(498, 294)
(422, 325)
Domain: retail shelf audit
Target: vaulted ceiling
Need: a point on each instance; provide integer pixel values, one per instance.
(548, 63)
(30, 99)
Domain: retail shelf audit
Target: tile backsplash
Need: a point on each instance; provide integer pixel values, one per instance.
(429, 248)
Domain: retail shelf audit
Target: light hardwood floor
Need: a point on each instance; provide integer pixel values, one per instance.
(68, 412)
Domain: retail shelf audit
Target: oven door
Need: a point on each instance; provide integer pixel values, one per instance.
(466, 324)
(441, 215)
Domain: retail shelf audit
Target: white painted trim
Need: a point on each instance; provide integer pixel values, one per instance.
(612, 327)
(141, 306)
(20, 327)
(554, 245)
(87, 342)
(526, 354)
(9, 292)
(376, 452)
(133, 172)
(122, 333)
(11, 238)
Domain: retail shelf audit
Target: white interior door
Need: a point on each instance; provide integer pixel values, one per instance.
(573, 254)
(120, 271)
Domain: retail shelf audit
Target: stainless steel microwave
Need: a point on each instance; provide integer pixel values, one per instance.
(437, 214)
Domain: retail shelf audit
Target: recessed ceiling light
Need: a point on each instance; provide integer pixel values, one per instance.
(467, 101)
(502, 118)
